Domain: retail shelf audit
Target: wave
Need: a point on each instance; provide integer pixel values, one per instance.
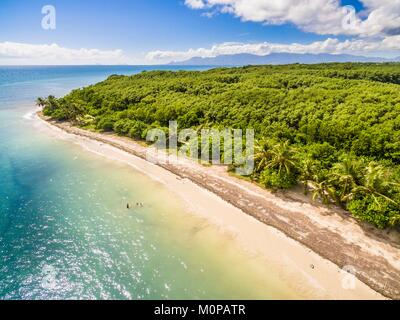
(31, 114)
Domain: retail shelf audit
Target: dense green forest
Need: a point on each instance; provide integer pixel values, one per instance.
(334, 128)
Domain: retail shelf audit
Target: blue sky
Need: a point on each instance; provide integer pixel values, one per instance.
(151, 31)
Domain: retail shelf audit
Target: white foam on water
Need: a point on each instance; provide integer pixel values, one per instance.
(31, 114)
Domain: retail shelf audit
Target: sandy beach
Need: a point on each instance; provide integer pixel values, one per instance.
(312, 246)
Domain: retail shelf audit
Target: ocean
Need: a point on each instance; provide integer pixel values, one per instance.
(65, 232)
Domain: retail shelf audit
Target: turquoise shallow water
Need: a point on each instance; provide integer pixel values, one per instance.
(65, 232)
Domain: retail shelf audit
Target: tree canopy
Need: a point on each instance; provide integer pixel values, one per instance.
(335, 128)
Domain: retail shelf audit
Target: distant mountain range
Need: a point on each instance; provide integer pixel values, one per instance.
(278, 58)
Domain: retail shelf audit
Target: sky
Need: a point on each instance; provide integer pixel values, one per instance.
(162, 31)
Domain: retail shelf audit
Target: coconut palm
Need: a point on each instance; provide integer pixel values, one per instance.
(73, 111)
(261, 155)
(40, 102)
(308, 168)
(281, 158)
(346, 176)
(376, 182)
(323, 189)
(50, 103)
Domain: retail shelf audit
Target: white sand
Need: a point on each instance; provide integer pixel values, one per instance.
(308, 273)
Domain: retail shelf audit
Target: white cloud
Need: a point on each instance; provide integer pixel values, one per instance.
(332, 46)
(375, 30)
(317, 16)
(22, 53)
(195, 4)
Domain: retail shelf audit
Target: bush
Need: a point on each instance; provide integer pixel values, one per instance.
(58, 114)
(325, 122)
(106, 124)
(138, 130)
(323, 152)
(123, 126)
(378, 211)
(274, 180)
(47, 112)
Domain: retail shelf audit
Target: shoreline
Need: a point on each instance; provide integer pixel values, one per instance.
(305, 231)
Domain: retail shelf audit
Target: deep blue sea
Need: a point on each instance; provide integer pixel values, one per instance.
(65, 232)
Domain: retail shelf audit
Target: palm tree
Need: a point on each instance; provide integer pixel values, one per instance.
(353, 179)
(346, 176)
(376, 182)
(261, 155)
(73, 111)
(308, 169)
(50, 103)
(323, 189)
(40, 102)
(281, 158)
